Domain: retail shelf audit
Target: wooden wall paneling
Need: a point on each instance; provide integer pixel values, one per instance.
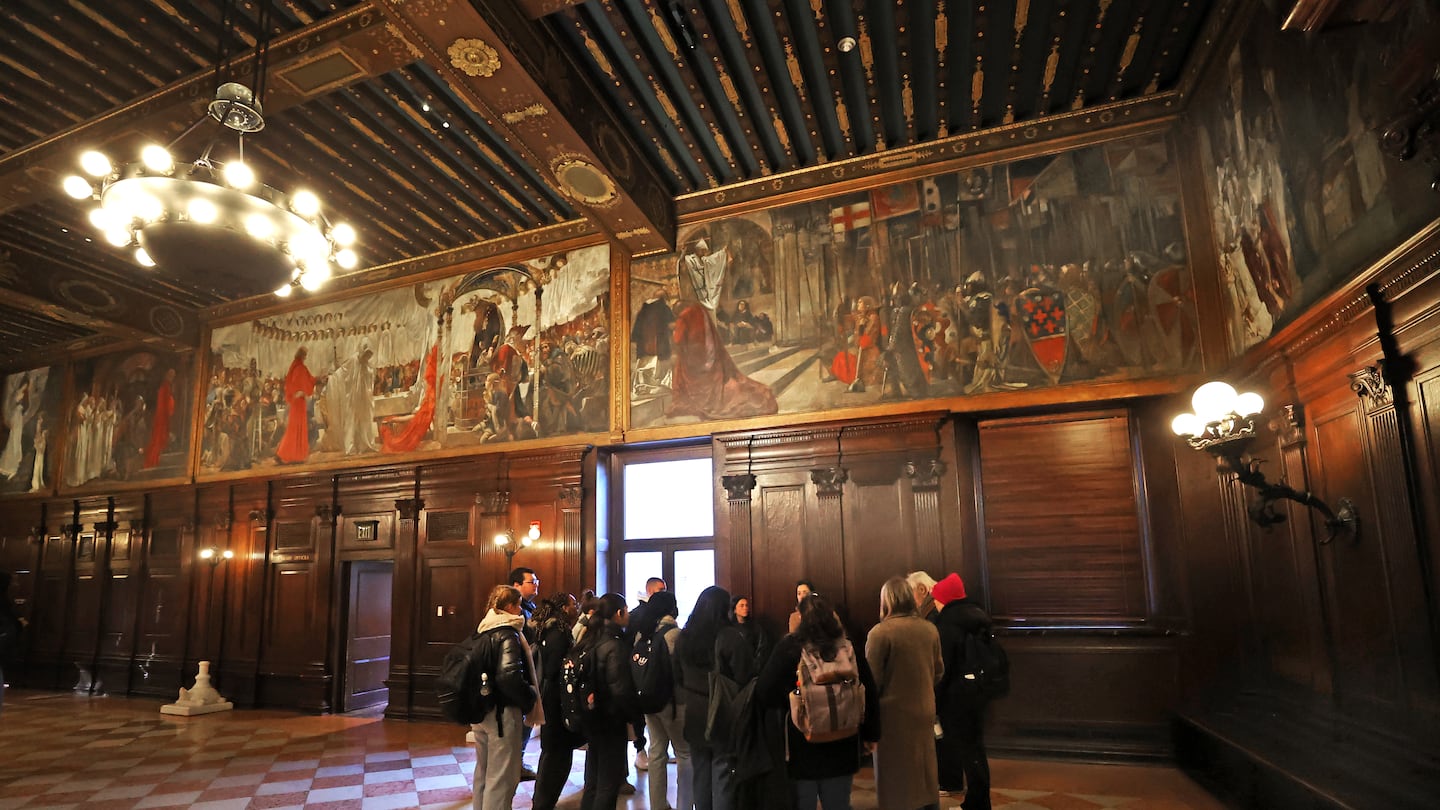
(87, 593)
(549, 486)
(237, 671)
(408, 608)
(51, 614)
(22, 541)
(365, 530)
(116, 653)
(1159, 450)
(446, 584)
(209, 577)
(297, 641)
(166, 609)
(878, 534)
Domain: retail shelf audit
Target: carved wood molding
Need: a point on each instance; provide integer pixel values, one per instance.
(1289, 426)
(739, 487)
(261, 515)
(829, 481)
(926, 474)
(571, 497)
(328, 513)
(409, 508)
(1370, 386)
(493, 503)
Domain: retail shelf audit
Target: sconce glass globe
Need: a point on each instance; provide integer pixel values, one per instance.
(1187, 424)
(207, 553)
(501, 539)
(1249, 404)
(1214, 400)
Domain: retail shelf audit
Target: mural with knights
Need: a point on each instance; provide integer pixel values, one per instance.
(1303, 137)
(1047, 271)
(505, 354)
(30, 411)
(130, 419)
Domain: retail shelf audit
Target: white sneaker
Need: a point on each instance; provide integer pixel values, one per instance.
(642, 762)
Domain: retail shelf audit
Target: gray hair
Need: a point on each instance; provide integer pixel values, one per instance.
(917, 578)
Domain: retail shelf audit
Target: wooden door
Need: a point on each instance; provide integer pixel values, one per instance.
(367, 644)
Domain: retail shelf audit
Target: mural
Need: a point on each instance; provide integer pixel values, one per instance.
(129, 418)
(1299, 190)
(30, 410)
(505, 354)
(1059, 269)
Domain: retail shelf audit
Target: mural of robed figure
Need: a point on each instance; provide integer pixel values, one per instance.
(299, 386)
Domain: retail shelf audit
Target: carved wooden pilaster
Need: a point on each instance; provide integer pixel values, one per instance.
(261, 515)
(328, 513)
(1370, 386)
(409, 508)
(1289, 426)
(829, 481)
(926, 474)
(738, 487)
(925, 478)
(571, 497)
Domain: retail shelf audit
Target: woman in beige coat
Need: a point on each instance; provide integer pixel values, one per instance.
(904, 654)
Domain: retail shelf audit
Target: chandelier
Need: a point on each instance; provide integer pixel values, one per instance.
(212, 218)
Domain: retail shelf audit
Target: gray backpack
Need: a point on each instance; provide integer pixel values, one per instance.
(828, 702)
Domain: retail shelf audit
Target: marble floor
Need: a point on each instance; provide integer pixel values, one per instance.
(67, 751)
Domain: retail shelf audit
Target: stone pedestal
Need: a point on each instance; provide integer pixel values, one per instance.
(200, 698)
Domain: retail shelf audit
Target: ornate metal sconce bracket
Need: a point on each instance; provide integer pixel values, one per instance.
(1231, 458)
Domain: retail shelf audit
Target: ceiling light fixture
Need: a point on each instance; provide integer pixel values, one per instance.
(209, 217)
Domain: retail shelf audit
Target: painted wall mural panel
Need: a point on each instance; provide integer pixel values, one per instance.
(31, 413)
(440, 364)
(1053, 270)
(1301, 194)
(130, 418)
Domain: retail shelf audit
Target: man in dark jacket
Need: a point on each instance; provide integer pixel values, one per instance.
(960, 703)
(527, 582)
(640, 618)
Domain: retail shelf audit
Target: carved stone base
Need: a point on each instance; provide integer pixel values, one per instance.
(200, 698)
(187, 710)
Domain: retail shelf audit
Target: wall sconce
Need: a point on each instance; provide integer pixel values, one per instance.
(509, 543)
(1223, 425)
(215, 556)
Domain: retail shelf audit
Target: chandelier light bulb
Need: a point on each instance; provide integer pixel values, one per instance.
(259, 226)
(347, 259)
(1214, 400)
(119, 237)
(95, 163)
(311, 281)
(202, 211)
(157, 158)
(77, 187)
(285, 290)
(144, 258)
(239, 175)
(343, 234)
(1187, 424)
(103, 219)
(305, 203)
(1249, 404)
(148, 209)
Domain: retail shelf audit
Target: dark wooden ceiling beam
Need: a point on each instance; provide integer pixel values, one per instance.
(33, 172)
(514, 73)
(62, 295)
(535, 9)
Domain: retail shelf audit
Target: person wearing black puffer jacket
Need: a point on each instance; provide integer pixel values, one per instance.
(960, 750)
(498, 739)
(709, 643)
(553, 620)
(607, 727)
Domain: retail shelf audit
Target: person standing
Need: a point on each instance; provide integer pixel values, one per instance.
(299, 385)
(643, 619)
(527, 582)
(820, 771)
(552, 621)
(498, 740)
(753, 632)
(803, 588)
(606, 727)
(903, 651)
(10, 629)
(960, 750)
(709, 643)
(921, 585)
(665, 727)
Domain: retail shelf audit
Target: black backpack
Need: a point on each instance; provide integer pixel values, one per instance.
(985, 668)
(577, 688)
(652, 671)
(463, 685)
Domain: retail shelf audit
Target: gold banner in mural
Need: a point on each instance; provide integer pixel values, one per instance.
(1045, 271)
(512, 353)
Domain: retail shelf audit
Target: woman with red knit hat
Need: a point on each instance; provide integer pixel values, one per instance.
(959, 701)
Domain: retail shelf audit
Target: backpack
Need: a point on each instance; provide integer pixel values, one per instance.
(652, 671)
(463, 685)
(985, 668)
(577, 688)
(829, 700)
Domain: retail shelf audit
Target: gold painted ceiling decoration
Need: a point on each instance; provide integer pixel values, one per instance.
(711, 102)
